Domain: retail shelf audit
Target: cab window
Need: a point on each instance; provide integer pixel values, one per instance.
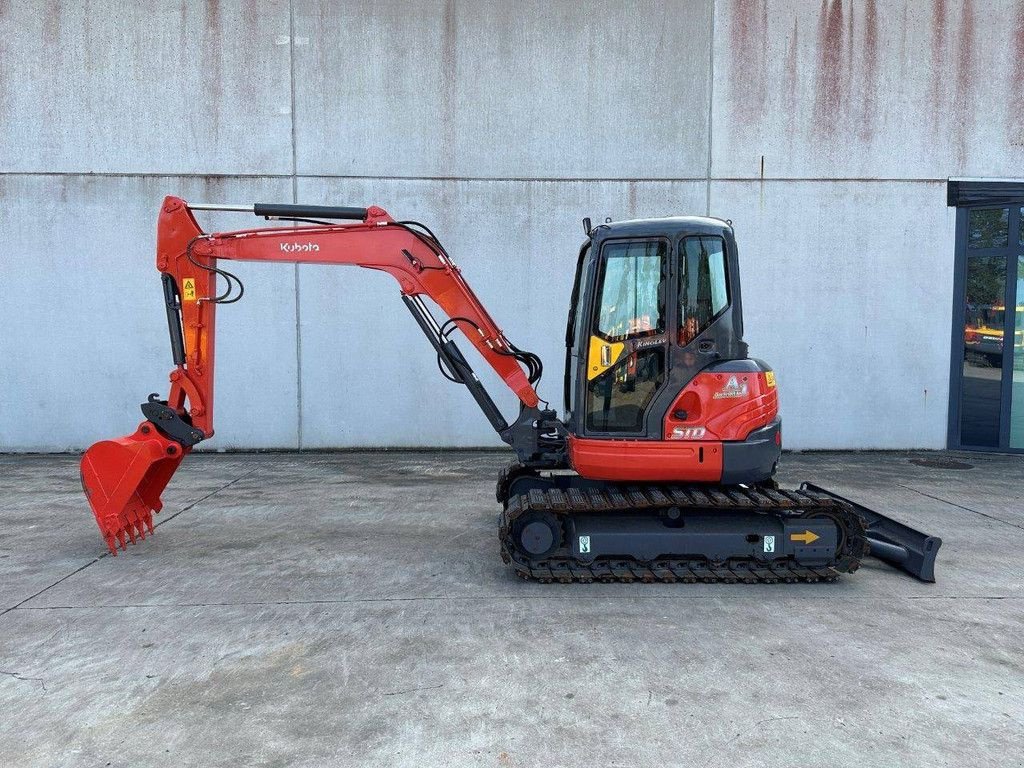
(703, 284)
(632, 300)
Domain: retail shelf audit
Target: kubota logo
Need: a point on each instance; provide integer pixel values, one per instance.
(296, 247)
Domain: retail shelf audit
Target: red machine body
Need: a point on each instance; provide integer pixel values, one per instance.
(692, 446)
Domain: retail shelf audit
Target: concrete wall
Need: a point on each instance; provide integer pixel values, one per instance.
(823, 129)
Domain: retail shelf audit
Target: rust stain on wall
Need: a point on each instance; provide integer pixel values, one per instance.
(51, 25)
(791, 83)
(4, 31)
(847, 79)
(963, 100)
(870, 85)
(250, 87)
(251, 17)
(449, 65)
(829, 86)
(938, 79)
(58, 52)
(212, 64)
(183, 24)
(849, 38)
(1015, 115)
(748, 63)
(321, 47)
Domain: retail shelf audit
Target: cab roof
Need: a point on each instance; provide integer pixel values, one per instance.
(668, 226)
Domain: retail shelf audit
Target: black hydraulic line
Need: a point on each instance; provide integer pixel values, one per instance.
(456, 363)
(432, 336)
(230, 279)
(173, 305)
(453, 356)
(893, 542)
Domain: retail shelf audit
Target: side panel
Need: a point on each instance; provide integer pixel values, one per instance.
(646, 460)
(754, 459)
(740, 431)
(724, 402)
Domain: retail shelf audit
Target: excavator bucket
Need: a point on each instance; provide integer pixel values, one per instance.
(123, 479)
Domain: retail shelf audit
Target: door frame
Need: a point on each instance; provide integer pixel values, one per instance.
(965, 195)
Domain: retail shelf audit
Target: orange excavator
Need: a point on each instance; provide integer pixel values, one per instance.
(661, 467)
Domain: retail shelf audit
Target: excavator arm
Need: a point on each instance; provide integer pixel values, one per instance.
(124, 478)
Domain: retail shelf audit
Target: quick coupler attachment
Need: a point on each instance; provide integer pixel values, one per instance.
(123, 479)
(169, 422)
(891, 541)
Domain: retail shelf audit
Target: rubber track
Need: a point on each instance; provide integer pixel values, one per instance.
(689, 499)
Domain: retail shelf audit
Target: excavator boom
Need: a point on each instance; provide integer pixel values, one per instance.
(123, 478)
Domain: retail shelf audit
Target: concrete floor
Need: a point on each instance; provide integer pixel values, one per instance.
(351, 609)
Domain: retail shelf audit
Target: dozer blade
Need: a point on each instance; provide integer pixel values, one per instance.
(123, 479)
(893, 542)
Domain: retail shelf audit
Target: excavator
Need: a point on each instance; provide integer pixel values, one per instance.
(661, 468)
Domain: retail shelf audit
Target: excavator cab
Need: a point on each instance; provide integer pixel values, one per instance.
(658, 384)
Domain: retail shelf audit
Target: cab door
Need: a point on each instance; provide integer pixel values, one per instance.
(627, 333)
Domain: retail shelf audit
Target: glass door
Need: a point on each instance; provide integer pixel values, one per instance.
(987, 401)
(1017, 370)
(626, 360)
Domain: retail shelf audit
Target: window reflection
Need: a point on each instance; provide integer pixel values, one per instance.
(983, 351)
(988, 228)
(703, 288)
(632, 293)
(1017, 395)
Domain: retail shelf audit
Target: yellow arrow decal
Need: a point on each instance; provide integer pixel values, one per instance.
(807, 537)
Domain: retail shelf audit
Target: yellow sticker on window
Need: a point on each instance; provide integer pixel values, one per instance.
(769, 376)
(188, 289)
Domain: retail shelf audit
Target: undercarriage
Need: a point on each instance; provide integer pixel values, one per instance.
(559, 527)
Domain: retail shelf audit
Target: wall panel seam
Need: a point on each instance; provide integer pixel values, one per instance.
(504, 179)
(295, 199)
(711, 106)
